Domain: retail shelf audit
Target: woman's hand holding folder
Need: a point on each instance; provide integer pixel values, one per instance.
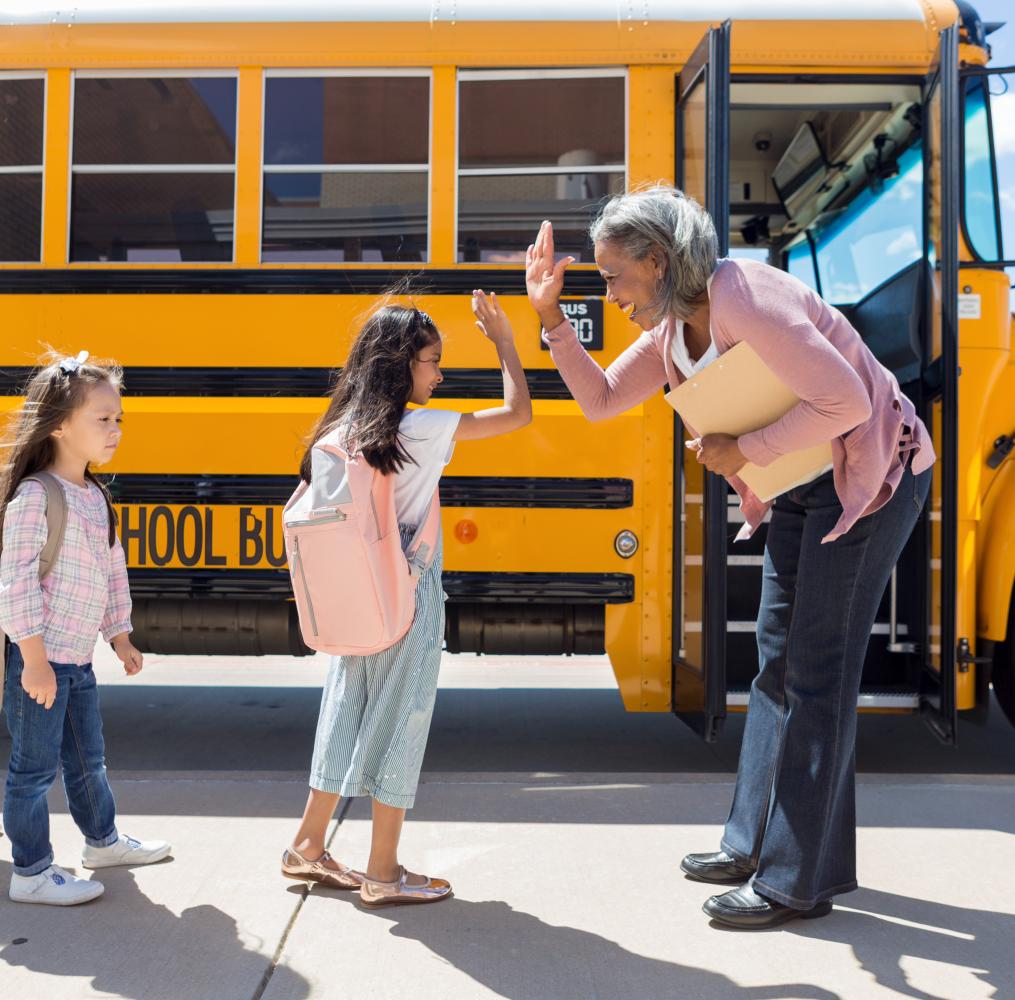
(719, 453)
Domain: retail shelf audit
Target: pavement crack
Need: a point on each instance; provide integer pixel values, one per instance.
(304, 894)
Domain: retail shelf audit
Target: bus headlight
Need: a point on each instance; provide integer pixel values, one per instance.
(625, 544)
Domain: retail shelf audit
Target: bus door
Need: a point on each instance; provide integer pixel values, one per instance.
(698, 649)
(940, 386)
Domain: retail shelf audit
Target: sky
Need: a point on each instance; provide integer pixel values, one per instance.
(1002, 45)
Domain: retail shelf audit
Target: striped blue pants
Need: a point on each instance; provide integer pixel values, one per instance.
(376, 710)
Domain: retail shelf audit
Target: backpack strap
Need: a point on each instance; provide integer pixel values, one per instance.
(56, 520)
(423, 545)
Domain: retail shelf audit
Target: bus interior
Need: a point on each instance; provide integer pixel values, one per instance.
(826, 181)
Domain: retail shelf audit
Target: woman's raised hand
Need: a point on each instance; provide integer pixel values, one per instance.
(490, 317)
(544, 279)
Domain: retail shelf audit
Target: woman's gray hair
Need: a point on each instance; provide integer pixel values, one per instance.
(665, 219)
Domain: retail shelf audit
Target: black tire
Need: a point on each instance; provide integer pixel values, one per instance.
(1003, 674)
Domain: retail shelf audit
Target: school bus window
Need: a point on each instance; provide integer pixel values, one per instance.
(346, 168)
(980, 195)
(694, 140)
(21, 122)
(1002, 113)
(533, 146)
(153, 168)
(875, 237)
(800, 263)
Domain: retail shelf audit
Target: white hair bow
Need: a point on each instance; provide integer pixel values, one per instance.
(71, 365)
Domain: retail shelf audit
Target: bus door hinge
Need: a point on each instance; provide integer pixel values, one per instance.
(964, 656)
(1002, 449)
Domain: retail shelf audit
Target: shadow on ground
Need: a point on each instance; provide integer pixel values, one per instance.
(516, 955)
(173, 728)
(197, 954)
(978, 940)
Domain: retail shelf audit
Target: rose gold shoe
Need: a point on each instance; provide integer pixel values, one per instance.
(297, 867)
(374, 893)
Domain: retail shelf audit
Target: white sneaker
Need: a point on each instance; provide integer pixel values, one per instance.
(54, 887)
(125, 851)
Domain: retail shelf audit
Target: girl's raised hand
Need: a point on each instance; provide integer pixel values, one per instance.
(544, 279)
(490, 317)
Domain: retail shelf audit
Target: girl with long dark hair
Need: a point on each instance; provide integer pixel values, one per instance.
(375, 710)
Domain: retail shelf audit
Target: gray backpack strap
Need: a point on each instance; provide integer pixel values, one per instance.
(420, 552)
(56, 520)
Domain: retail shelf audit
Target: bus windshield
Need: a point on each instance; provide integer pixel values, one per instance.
(875, 237)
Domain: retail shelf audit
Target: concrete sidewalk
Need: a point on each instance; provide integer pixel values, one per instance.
(564, 888)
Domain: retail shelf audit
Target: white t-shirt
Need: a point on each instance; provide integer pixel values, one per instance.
(428, 437)
(682, 358)
(678, 350)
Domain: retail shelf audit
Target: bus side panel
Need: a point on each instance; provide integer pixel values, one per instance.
(997, 556)
(637, 634)
(987, 382)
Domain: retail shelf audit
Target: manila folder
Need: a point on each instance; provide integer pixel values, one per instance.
(738, 393)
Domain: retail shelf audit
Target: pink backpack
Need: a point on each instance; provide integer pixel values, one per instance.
(355, 588)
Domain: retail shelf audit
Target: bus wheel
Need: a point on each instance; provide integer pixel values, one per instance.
(1003, 674)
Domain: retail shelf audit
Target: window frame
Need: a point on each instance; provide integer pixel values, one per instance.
(276, 72)
(40, 169)
(149, 168)
(984, 73)
(467, 74)
(805, 237)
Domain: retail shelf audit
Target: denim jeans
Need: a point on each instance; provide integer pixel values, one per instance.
(793, 815)
(69, 733)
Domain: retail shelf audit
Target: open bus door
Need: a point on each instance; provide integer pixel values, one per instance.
(942, 144)
(699, 545)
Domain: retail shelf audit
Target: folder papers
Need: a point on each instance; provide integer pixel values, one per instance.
(738, 393)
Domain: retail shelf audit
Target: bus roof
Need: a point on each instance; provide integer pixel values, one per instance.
(32, 12)
(851, 36)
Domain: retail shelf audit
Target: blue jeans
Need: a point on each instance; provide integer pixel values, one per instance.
(793, 816)
(69, 733)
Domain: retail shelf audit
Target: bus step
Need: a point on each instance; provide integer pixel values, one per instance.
(880, 698)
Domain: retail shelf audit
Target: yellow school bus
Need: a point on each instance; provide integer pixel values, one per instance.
(215, 195)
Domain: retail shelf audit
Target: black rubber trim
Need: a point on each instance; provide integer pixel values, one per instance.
(456, 491)
(576, 493)
(254, 584)
(540, 588)
(941, 703)
(987, 265)
(475, 588)
(288, 281)
(827, 78)
(459, 383)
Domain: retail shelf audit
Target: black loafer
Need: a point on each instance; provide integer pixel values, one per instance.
(720, 868)
(744, 909)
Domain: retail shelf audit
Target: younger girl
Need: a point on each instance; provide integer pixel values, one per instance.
(70, 420)
(375, 710)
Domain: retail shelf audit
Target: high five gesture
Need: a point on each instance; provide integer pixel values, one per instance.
(544, 278)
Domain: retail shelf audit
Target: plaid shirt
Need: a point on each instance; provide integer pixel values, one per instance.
(84, 593)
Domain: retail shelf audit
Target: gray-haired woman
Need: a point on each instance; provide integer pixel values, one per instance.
(790, 838)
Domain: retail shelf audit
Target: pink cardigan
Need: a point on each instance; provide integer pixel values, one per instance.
(847, 396)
